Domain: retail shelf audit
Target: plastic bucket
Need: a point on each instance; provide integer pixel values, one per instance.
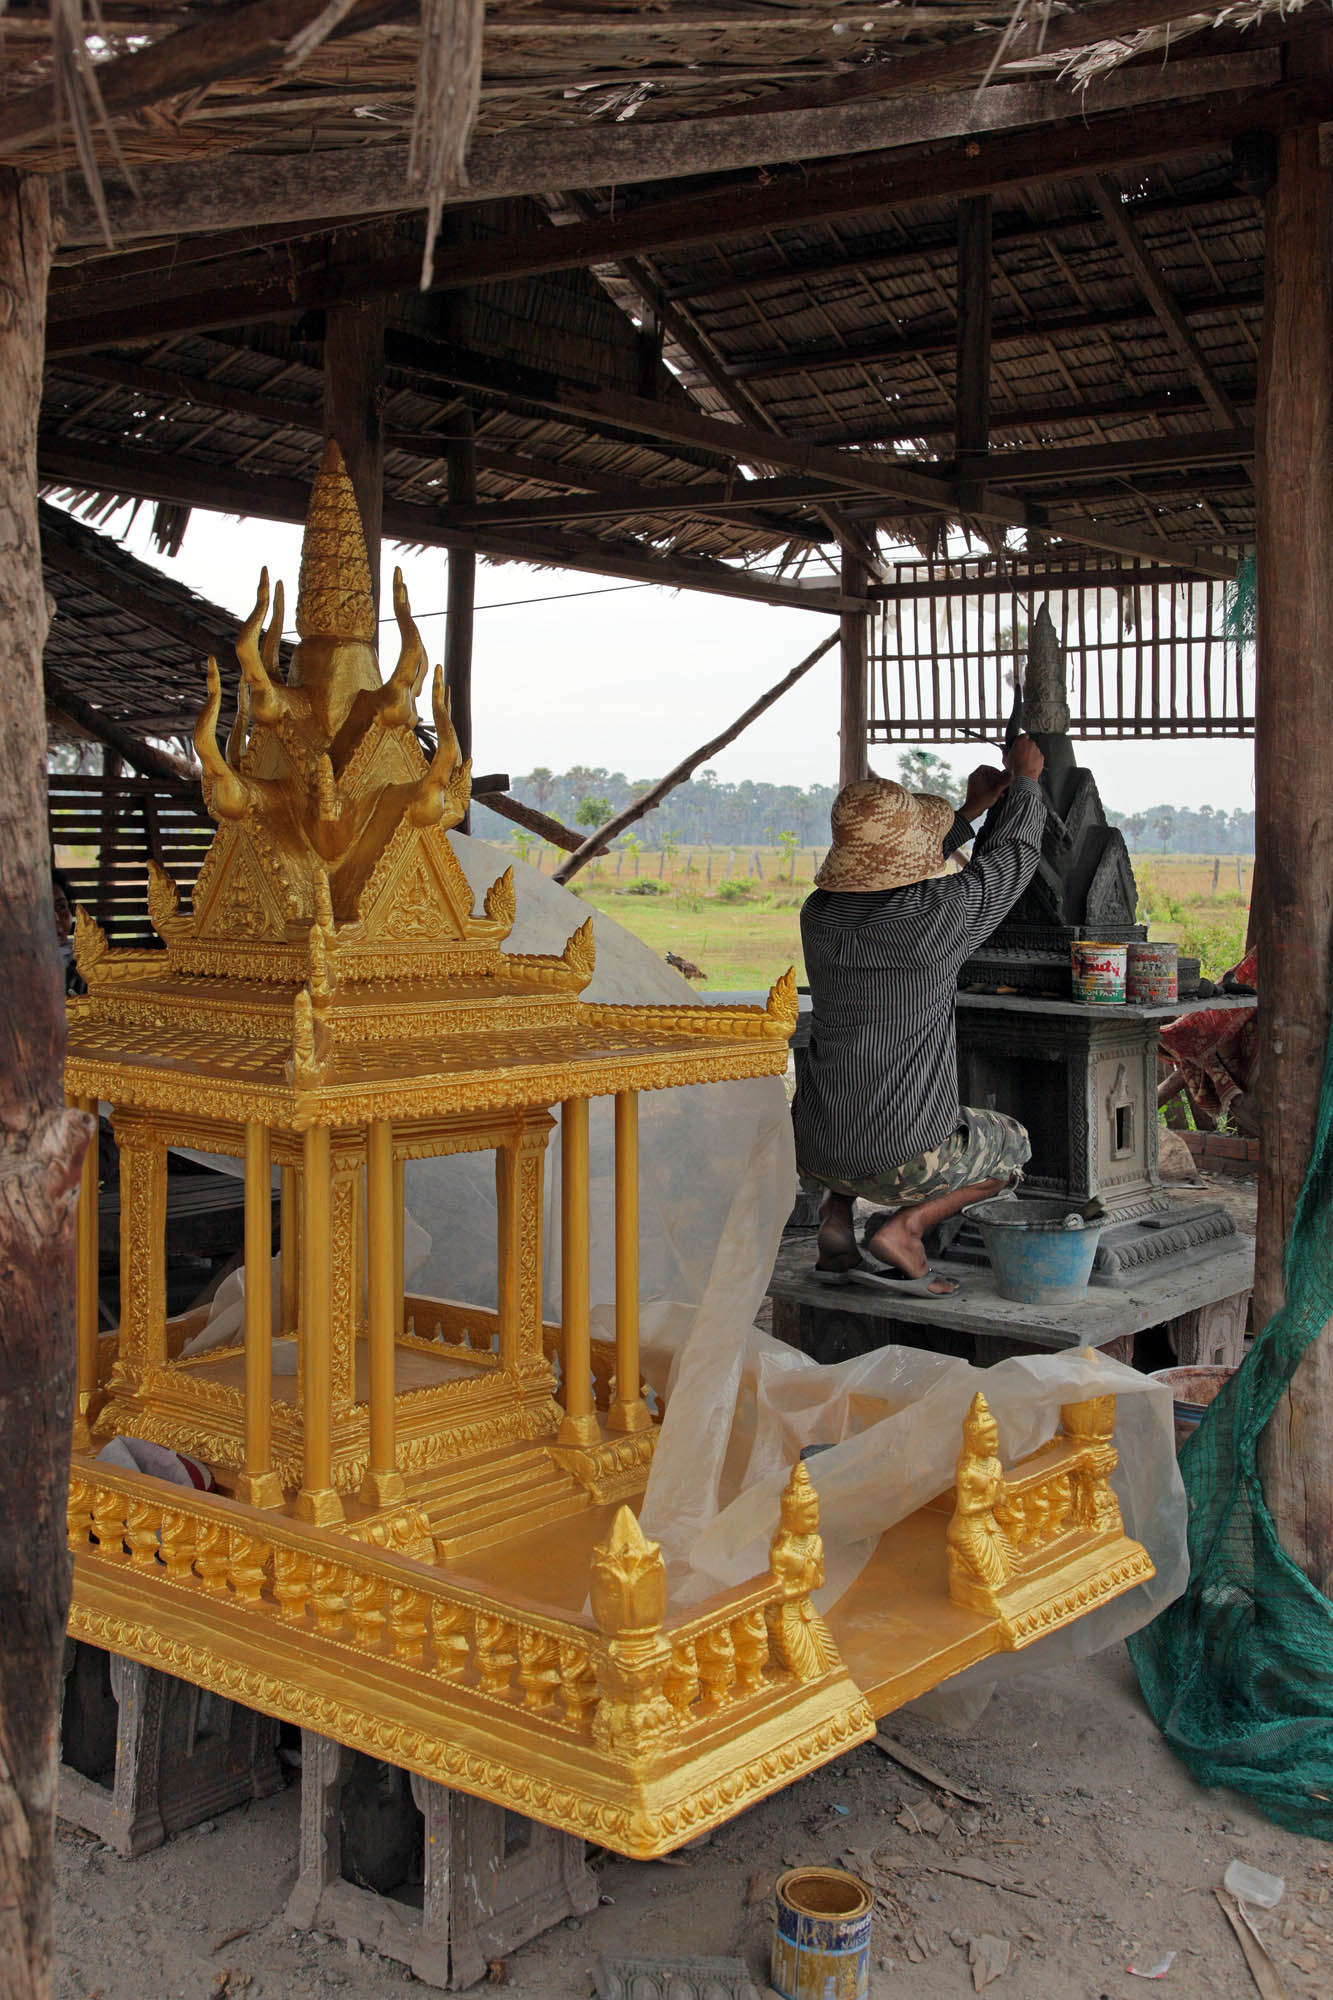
(1192, 1390)
(1151, 974)
(1098, 972)
(821, 1935)
(1040, 1252)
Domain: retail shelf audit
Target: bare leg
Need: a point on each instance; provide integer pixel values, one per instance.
(898, 1241)
(837, 1234)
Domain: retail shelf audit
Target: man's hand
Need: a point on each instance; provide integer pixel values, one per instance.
(985, 787)
(1023, 759)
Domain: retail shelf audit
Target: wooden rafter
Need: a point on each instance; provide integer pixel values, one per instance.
(1166, 307)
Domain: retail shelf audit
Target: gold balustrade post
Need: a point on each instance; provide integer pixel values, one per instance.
(507, 1252)
(580, 1426)
(85, 1284)
(317, 1500)
(289, 1238)
(383, 1483)
(399, 1225)
(258, 1483)
(628, 1411)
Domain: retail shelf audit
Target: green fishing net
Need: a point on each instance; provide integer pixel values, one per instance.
(1238, 1672)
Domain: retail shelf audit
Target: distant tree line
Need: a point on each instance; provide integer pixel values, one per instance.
(706, 812)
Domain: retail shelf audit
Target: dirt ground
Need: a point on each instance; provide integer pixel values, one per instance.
(1106, 1851)
(1109, 1851)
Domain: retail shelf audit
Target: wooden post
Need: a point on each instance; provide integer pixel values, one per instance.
(258, 1483)
(42, 1143)
(317, 1500)
(854, 635)
(354, 398)
(461, 600)
(628, 1411)
(1294, 838)
(972, 379)
(383, 1483)
(580, 1426)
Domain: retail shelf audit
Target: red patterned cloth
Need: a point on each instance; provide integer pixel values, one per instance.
(1215, 1047)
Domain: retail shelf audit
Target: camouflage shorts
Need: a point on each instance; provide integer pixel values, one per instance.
(987, 1146)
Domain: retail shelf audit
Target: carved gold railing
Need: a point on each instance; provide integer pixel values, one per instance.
(474, 1330)
(1042, 1543)
(623, 1679)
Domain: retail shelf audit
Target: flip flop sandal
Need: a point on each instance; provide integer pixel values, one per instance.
(890, 1279)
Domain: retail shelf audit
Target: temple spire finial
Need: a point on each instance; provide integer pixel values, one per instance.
(334, 600)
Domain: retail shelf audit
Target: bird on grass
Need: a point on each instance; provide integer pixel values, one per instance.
(686, 967)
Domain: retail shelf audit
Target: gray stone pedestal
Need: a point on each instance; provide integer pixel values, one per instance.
(431, 1877)
(144, 1754)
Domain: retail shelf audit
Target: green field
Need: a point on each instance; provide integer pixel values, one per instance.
(743, 928)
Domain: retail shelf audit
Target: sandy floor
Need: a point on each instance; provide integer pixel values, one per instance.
(1111, 1849)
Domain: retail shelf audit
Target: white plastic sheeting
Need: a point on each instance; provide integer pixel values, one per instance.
(717, 1181)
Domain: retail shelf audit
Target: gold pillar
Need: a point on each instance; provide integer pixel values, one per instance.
(628, 1412)
(142, 1344)
(383, 1483)
(317, 1500)
(399, 1211)
(508, 1251)
(289, 1233)
(580, 1426)
(85, 1284)
(258, 1483)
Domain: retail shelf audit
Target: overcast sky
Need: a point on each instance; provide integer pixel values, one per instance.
(573, 669)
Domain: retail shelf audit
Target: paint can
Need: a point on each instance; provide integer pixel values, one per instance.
(1098, 972)
(821, 1935)
(1151, 975)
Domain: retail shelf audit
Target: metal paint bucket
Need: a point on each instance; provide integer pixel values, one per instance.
(821, 1935)
(1151, 976)
(1192, 1390)
(1098, 972)
(1041, 1252)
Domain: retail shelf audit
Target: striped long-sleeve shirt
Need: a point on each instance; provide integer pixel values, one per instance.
(880, 1082)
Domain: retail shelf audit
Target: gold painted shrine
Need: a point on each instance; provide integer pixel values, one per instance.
(415, 1548)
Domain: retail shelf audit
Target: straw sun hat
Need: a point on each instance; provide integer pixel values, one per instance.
(884, 837)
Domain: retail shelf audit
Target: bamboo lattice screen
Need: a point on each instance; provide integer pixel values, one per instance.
(1147, 652)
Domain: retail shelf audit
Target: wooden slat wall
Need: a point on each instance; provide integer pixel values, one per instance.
(1147, 650)
(103, 831)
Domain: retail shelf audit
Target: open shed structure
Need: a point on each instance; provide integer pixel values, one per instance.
(724, 297)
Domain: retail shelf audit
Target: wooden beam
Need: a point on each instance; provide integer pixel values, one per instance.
(232, 42)
(373, 180)
(633, 500)
(648, 801)
(908, 346)
(891, 252)
(972, 359)
(540, 823)
(1293, 912)
(147, 758)
(109, 582)
(1131, 456)
(1039, 416)
(1165, 305)
(152, 476)
(854, 686)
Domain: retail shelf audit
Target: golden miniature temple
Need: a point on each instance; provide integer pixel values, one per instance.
(415, 1548)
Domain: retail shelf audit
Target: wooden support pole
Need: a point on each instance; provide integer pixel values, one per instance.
(628, 1410)
(597, 843)
(354, 409)
(42, 1143)
(383, 1483)
(1294, 839)
(972, 390)
(853, 633)
(317, 1500)
(85, 1286)
(460, 604)
(258, 1483)
(580, 1426)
